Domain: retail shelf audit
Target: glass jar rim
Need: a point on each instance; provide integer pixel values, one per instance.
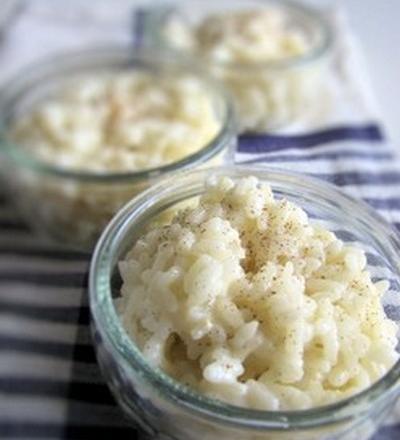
(153, 19)
(15, 89)
(111, 328)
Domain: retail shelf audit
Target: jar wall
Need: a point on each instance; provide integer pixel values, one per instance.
(160, 420)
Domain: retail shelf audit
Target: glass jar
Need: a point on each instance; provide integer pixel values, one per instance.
(70, 206)
(166, 409)
(268, 94)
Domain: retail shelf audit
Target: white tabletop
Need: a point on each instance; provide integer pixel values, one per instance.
(377, 24)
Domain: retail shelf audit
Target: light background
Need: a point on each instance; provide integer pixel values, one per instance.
(377, 24)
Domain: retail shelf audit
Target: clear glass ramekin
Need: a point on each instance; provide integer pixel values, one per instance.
(268, 95)
(166, 409)
(70, 206)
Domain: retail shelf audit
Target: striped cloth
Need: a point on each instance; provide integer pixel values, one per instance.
(50, 385)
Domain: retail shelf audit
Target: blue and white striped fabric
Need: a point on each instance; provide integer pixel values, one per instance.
(50, 385)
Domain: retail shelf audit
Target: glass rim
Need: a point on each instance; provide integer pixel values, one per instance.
(153, 25)
(111, 328)
(53, 65)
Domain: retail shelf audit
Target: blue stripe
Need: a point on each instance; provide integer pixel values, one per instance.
(42, 251)
(15, 429)
(138, 27)
(96, 393)
(364, 178)
(387, 433)
(52, 279)
(375, 260)
(262, 143)
(390, 203)
(3, 200)
(58, 314)
(392, 312)
(319, 156)
(54, 349)
(344, 235)
(13, 225)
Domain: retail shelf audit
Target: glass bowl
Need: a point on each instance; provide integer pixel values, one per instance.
(268, 94)
(166, 409)
(70, 206)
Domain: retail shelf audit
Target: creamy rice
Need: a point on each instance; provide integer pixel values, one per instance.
(238, 46)
(120, 122)
(246, 36)
(108, 123)
(242, 298)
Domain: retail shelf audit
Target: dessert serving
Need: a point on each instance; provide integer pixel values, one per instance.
(85, 132)
(248, 302)
(270, 55)
(120, 122)
(242, 36)
(245, 300)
